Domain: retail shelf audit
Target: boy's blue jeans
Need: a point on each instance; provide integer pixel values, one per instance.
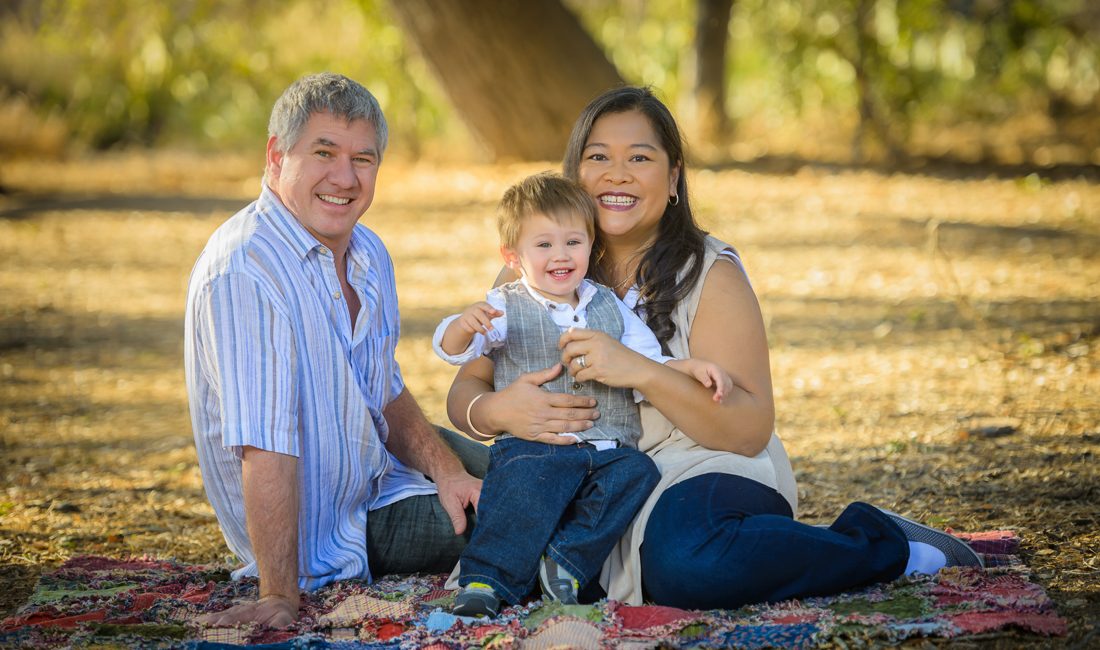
(570, 502)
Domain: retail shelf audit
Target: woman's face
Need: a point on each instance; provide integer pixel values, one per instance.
(625, 168)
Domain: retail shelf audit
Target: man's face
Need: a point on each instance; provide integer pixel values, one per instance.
(327, 178)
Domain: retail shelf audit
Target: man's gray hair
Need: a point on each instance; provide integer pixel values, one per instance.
(326, 92)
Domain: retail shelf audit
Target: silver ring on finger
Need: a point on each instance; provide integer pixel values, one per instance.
(581, 362)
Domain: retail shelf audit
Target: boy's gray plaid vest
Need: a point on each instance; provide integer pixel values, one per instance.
(532, 344)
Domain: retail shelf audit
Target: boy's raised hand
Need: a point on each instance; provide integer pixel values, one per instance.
(711, 374)
(478, 318)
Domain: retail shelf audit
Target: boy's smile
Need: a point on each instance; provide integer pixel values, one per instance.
(552, 255)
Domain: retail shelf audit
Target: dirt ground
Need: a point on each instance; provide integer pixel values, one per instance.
(935, 345)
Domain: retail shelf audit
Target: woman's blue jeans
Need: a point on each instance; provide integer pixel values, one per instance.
(722, 541)
(570, 502)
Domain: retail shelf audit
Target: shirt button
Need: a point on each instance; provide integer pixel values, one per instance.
(576, 319)
(576, 385)
(335, 295)
(322, 250)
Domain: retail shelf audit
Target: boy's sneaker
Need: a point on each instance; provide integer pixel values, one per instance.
(957, 552)
(476, 599)
(557, 583)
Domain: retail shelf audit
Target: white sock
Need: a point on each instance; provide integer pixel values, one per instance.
(924, 558)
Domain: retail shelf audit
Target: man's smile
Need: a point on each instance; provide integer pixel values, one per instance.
(337, 200)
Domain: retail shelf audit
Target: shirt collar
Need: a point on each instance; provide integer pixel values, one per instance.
(586, 291)
(358, 259)
(301, 241)
(289, 229)
(632, 296)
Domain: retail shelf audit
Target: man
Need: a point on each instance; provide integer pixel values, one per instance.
(313, 452)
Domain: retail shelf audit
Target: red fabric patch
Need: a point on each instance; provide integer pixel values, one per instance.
(640, 618)
(485, 630)
(1004, 591)
(387, 631)
(45, 620)
(126, 620)
(192, 594)
(978, 622)
(199, 595)
(791, 619)
(268, 635)
(992, 542)
(144, 601)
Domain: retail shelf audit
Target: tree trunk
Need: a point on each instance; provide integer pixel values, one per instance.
(870, 118)
(863, 82)
(518, 73)
(711, 36)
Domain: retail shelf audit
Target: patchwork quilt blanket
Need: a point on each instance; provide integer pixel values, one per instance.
(150, 603)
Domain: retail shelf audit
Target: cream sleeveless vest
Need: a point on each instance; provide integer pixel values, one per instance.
(680, 458)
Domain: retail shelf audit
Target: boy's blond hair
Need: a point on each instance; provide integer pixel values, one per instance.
(548, 194)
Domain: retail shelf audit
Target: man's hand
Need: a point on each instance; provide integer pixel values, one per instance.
(417, 444)
(272, 611)
(456, 491)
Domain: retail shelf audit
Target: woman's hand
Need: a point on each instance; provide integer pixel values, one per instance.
(604, 359)
(526, 411)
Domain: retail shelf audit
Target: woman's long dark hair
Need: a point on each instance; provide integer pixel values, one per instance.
(680, 240)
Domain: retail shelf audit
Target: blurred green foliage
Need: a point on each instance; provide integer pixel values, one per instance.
(936, 61)
(204, 73)
(928, 61)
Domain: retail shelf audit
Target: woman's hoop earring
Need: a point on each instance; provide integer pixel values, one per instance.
(674, 200)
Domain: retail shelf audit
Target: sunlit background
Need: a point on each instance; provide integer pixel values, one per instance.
(914, 186)
(1013, 81)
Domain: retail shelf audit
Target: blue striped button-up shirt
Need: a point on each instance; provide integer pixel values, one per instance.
(272, 362)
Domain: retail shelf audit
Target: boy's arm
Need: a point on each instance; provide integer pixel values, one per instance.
(706, 373)
(456, 339)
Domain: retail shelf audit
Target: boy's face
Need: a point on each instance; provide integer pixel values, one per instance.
(552, 256)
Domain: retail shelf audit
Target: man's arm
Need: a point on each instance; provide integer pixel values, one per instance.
(270, 485)
(414, 441)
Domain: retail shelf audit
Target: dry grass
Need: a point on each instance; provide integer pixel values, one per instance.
(935, 345)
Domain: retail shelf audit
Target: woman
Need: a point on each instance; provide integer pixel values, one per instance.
(718, 531)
